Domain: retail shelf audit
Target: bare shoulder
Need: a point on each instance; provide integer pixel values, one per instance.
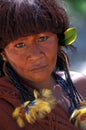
(79, 81)
(78, 77)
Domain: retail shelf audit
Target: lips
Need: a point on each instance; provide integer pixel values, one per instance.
(39, 68)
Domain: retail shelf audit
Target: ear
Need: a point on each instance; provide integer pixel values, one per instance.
(4, 56)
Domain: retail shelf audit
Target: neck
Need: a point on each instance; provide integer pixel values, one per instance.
(48, 83)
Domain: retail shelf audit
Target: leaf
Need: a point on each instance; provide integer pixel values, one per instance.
(70, 36)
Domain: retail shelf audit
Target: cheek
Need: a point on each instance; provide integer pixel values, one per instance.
(15, 59)
(53, 59)
(14, 56)
(18, 65)
(53, 49)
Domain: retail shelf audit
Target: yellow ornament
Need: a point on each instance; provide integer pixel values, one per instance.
(37, 109)
(78, 117)
(69, 37)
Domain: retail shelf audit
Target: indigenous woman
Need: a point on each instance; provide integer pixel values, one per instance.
(33, 93)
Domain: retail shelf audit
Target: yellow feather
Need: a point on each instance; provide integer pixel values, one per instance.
(36, 94)
(25, 103)
(46, 92)
(44, 106)
(28, 118)
(16, 112)
(20, 122)
(31, 118)
(36, 109)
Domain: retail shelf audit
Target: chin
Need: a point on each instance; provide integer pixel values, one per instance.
(39, 78)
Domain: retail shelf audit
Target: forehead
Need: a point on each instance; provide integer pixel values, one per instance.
(35, 36)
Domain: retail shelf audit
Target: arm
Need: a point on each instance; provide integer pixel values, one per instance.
(79, 81)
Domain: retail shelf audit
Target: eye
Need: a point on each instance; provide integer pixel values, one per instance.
(43, 38)
(20, 45)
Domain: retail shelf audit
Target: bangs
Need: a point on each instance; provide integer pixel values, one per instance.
(20, 18)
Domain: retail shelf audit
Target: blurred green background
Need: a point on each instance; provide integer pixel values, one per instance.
(76, 10)
(78, 5)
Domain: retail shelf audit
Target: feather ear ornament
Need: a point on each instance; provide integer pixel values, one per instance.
(78, 117)
(37, 109)
(68, 37)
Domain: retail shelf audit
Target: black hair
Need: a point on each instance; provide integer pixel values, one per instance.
(19, 18)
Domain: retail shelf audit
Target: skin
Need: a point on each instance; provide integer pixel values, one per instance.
(33, 57)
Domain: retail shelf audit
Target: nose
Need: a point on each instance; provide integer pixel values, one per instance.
(34, 52)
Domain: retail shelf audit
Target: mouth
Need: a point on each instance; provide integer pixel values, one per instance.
(39, 68)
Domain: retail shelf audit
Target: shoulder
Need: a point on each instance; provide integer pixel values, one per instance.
(8, 92)
(5, 86)
(79, 81)
(4, 81)
(78, 77)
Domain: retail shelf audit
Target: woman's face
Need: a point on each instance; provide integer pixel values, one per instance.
(33, 57)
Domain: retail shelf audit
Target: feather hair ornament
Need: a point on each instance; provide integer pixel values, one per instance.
(69, 36)
(78, 117)
(35, 110)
